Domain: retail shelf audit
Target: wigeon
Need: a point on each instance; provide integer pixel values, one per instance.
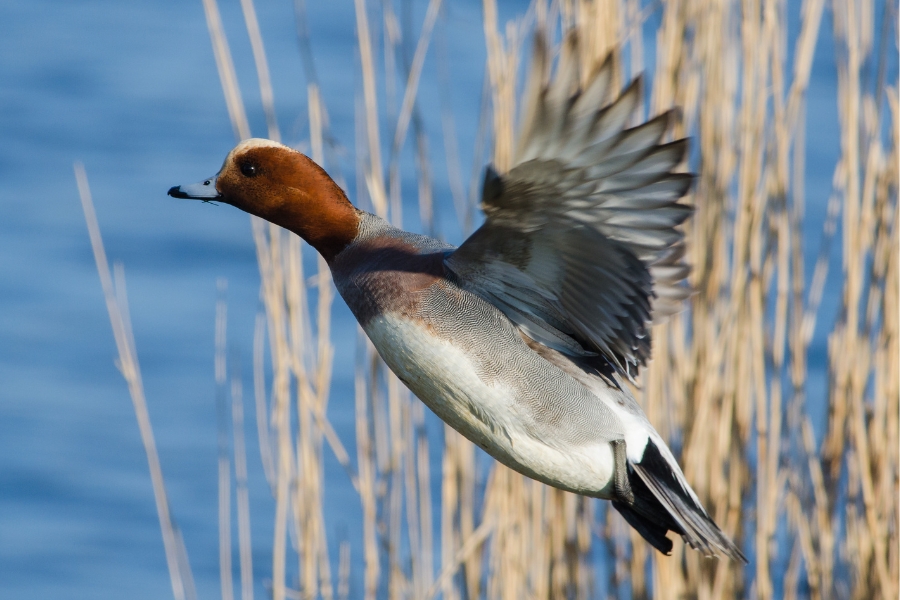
(522, 338)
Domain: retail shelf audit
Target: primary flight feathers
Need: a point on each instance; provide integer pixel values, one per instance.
(587, 214)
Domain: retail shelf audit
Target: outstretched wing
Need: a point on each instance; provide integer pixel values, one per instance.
(580, 247)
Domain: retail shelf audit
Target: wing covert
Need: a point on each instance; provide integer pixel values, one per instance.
(580, 246)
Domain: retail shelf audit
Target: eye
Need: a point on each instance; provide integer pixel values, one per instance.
(248, 169)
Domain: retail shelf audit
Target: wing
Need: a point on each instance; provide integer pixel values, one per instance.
(580, 247)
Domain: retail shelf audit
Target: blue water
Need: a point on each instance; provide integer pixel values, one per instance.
(131, 89)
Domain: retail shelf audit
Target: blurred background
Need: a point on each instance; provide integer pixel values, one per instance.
(793, 106)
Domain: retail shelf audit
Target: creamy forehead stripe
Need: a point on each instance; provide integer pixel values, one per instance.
(258, 143)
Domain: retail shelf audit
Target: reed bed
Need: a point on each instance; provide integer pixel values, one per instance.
(806, 481)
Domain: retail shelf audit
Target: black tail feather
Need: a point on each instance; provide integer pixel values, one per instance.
(652, 532)
(662, 503)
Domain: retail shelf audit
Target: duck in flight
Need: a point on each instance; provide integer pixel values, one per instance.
(522, 338)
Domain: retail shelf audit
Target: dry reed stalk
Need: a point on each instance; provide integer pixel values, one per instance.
(281, 414)
(448, 129)
(777, 177)
(728, 379)
(227, 74)
(409, 113)
(390, 416)
(262, 68)
(259, 393)
(226, 580)
(243, 493)
(503, 66)
(535, 549)
(400, 447)
(413, 450)
(117, 306)
(374, 175)
(872, 533)
(298, 477)
(270, 274)
(368, 451)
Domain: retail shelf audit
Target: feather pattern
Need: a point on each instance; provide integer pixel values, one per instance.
(663, 502)
(520, 338)
(588, 214)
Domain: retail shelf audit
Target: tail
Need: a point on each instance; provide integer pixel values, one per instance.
(664, 502)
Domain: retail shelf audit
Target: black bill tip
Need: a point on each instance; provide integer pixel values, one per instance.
(175, 192)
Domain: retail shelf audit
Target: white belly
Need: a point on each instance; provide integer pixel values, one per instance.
(444, 378)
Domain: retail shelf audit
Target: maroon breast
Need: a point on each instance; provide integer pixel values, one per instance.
(386, 275)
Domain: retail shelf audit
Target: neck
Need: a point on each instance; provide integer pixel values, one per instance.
(318, 211)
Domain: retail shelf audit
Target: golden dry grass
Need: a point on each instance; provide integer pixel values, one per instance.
(730, 382)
